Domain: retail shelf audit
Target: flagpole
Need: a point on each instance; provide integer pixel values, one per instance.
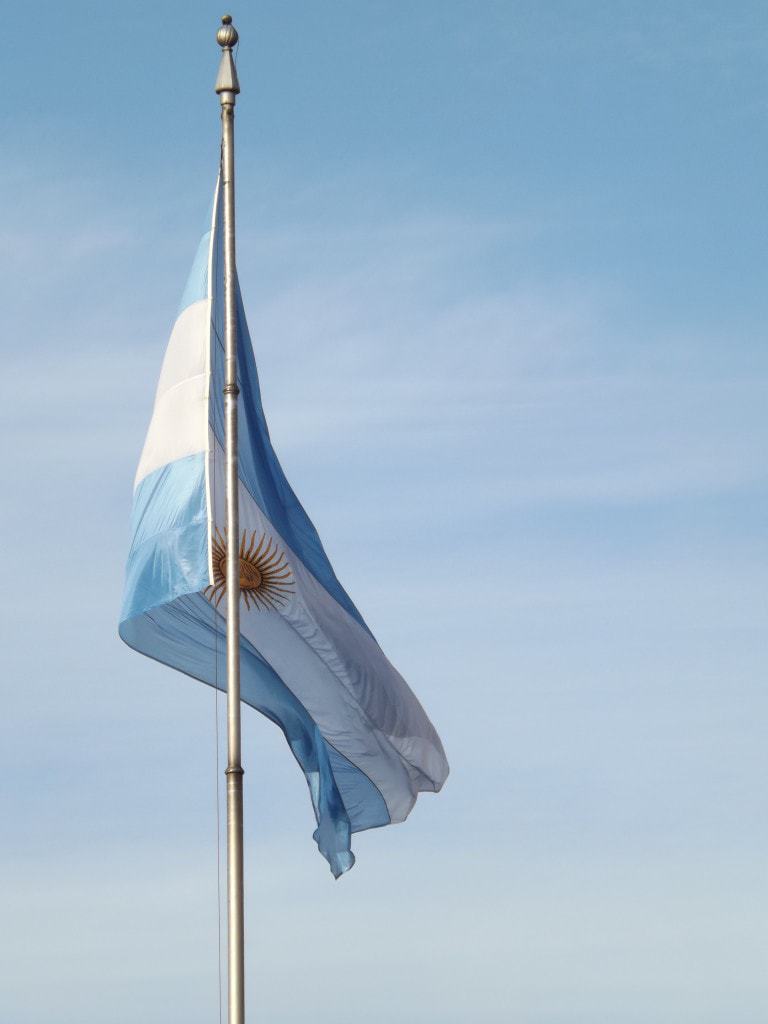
(227, 88)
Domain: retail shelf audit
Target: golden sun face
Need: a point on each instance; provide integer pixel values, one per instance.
(265, 576)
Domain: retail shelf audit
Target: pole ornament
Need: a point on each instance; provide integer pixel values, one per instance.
(226, 81)
(227, 34)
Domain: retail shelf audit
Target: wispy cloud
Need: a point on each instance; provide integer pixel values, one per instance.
(545, 503)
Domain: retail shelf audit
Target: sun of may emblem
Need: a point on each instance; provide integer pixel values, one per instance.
(265, 576)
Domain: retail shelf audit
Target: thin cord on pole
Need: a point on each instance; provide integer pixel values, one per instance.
(217, 756)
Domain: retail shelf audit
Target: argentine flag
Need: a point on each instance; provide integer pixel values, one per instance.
(308, 660)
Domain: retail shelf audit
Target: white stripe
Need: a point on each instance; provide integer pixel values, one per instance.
(360, 702)
(179, 424)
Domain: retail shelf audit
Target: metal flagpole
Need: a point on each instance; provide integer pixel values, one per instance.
(228, 87)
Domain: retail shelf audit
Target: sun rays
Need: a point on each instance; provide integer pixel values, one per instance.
(265, 576)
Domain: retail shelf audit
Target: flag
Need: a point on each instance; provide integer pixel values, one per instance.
(308, 660)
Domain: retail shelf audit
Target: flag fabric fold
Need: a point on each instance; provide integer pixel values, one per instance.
(308, 660)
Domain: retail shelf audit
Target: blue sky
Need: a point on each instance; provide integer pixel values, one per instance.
(504, 266)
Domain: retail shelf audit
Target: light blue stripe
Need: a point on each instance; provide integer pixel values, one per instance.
(365, 805)
(259, 468)
(197, 283)
(189, 634)
(169, 550)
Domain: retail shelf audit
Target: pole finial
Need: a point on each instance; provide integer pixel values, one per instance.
(227, 85)
(227, 35)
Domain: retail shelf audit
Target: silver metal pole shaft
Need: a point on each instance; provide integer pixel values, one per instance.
(228, 87)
